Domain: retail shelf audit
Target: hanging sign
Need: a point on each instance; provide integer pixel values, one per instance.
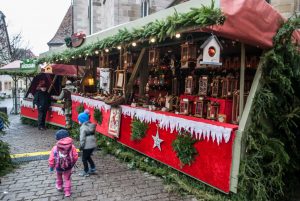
(28, 64)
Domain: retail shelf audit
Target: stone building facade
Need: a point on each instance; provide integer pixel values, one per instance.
(91, 16)
(286, 7)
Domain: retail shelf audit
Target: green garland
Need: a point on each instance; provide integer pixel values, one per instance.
(184, 148)
(162, 29)
(6, 163)
(80, 108)
(270, 169)
(138, 130)
(98, 116)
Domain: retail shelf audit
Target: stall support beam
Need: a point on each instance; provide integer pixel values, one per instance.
(239, 142)
(242, 80)
(136, 69)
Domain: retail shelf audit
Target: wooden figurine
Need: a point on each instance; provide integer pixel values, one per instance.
(188, 55)
(153, 57)
(189, 85)
(203, 85)
(215, 87)
(213, 110)
(200, 106)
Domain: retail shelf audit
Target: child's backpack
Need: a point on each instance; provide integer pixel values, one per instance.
(63, 157)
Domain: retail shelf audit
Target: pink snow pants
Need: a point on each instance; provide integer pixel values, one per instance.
(64, 177)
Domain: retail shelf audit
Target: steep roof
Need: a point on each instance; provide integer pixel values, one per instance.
(64, 30)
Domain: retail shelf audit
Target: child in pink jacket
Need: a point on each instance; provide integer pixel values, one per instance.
(63, 157)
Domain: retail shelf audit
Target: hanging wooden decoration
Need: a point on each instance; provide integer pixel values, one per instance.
(203, 85)
(229, 85)
(175, 86)
(185, 106)
(236, 105)
(104, 60)
(189, 85)
(188, 55)
(215, 87)
(200, 107)
(211, 52)
(127, 61)
(153, 57)
(213, 110)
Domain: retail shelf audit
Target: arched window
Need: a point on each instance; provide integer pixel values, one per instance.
(145, 8)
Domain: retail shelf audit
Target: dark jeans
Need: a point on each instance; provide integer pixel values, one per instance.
(86, 158)
(42, 118)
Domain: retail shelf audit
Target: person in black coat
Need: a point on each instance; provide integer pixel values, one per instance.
(42, 100)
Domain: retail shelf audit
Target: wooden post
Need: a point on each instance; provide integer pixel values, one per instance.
(144, 74)
(129, 87)
(239, 141)
(242, 80)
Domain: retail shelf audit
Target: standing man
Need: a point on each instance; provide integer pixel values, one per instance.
(42, 101)
(65, 95)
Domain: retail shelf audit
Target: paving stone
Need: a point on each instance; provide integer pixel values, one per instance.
(113, 181)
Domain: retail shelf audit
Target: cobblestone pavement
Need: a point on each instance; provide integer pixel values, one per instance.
(113, 181)
(27, 139)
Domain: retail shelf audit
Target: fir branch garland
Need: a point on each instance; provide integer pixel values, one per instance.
(184, 148)
(80, 108)
(270, 168)
(98, 116)
(138, 129)
(162, 29)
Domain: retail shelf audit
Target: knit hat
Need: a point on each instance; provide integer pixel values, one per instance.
(60, 134)
(83, 117)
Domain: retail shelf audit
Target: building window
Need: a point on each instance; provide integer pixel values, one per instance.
(9, 86)
(145, 8)
(5, 85)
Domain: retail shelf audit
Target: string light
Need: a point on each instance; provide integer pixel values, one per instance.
(96, 52)
(134, 44)
(178, 35)
(119, 47)
(73, 57)
(106, 50)
(80, 56)
(152, 40)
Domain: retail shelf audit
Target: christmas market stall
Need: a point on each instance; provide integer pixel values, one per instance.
(177, 85)
(53, 76)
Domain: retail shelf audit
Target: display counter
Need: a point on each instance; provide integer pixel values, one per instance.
(55, 115)
(214, 143)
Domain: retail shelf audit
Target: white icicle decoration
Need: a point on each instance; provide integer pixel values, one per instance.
(91, 102)
(199, 129)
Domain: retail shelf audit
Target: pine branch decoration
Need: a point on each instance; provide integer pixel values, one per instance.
(184, 148)
(138, 130)
(98, 116)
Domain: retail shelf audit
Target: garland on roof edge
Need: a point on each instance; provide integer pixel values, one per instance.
(202, 17)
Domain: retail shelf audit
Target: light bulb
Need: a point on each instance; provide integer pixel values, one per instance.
(119, 47)
(152, 40)
(134, 44)
(178, 35)
(106, 50)
(96, 52)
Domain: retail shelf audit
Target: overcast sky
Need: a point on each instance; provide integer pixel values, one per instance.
(37, 20)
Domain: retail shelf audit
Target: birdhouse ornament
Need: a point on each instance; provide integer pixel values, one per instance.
(211, 52)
